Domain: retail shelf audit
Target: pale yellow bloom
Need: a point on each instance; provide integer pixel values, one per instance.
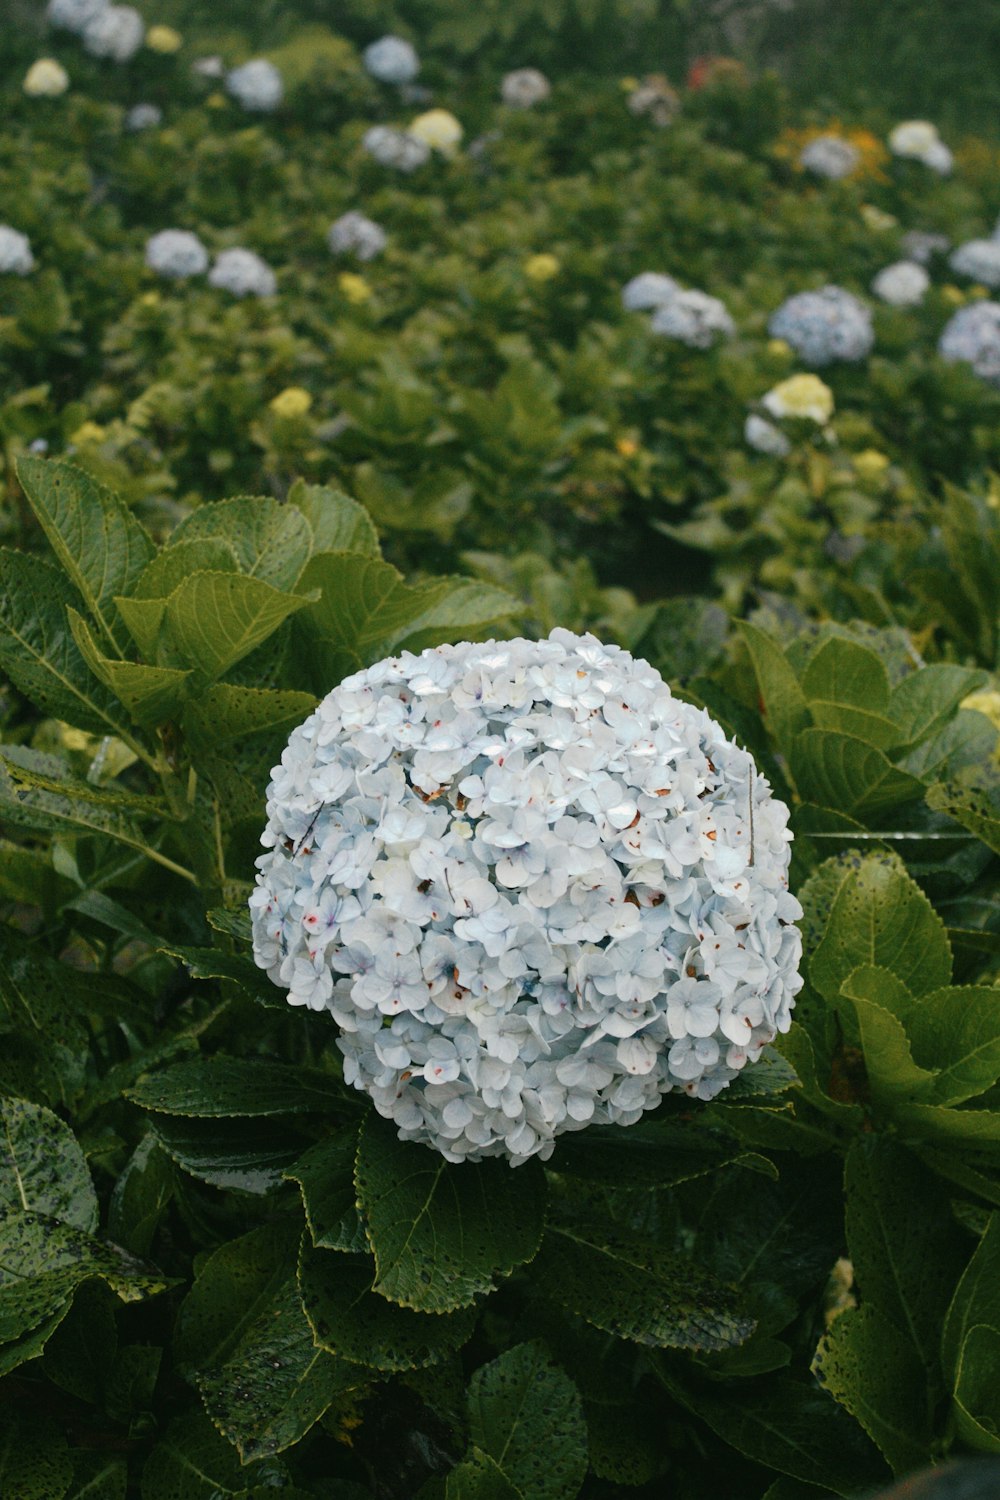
(150, 299)
(291, 402)
(627, 447)
(45, 79)
(354, 287)
(870, 463)
(986, 703)
(913, 138)
(977, 292)
(778, 348)
(88, 432)
(164, 39)
(216, 101)
(438, 129)
(953, 295)
(840, 1296)
(877, 220)
(800, 396)
(541, 267)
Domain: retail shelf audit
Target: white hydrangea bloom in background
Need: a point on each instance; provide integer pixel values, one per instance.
(764, 437)
(918, 140)
(824, 326)
(144, 117)
(16, 258)
(45, 79)
(903, 284)
(830, 156)
(694, 318)
(115, 32)
(524, 87)
(256, 85)
(355, 234)
(648, 289)
(979, 260)
(177, 253)
(534, 889)
(243, 273)
(73, 15)
(395, 148)
(209, 67)
(939, 158)
(972, 337)
(391, 59)
(921, 244)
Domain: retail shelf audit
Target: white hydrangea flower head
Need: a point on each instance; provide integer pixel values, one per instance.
(16, 258)
(939, 158)
(903, 284)
(913, 138)
(694, 318)
(830, 156)
(534, 889)
(355, 234)
(972, 336)
(211, 66)
(824, 326)
(243, 273)
(115, 32)
(391, 59)
(176, 253)
(73, 15)
(395, 148)
(979, 260)
(921, 244)
(524, 88)
(256, 85)
(45, 79)
(647, 290)
(144, 117)
(764, 437)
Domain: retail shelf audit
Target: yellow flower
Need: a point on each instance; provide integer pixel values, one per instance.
(870, 463)
(89, 432)
(291, 402)
(871, 152)
(541, 267)
(778, 348)
(986, 703)
(438, 129)
(978, 292)
(216, 101)
(800, 396)
(150, 299)
(163, 39)
(354, 287)
(45, 79)
(629, 84)
(953, 295)
(877, 220)
(627, 447)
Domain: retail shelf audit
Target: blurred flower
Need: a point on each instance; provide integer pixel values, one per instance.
(354, 233)
(115, 32)
(979, 260)
(143, 117)
(953, 294)
(73, 15)
(391, 60)
(876, 220)
(292, 402)
(354, 287)
(655, 97)
(15, 252)
(921, 244)
(903, 284)
(870, 463)
(164, 39)
(648, 289)
(541, 267)
(216, 101)
(177, 253)
(710, 69)
(830, 156)
(869, 155)
(243, 273)
(972, 336)
(824, 326)
(779, 348)
(693, 318)
(918, 140)
(208, 67)
(765, 437)
(395, 148)
(627, 447)
(802, 396)
(257, 85)
(524, 87)
(439, 129)
(45, 79)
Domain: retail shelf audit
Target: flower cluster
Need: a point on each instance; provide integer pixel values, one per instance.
(257, 85)
(144, 117)
(903, 284)
(922, 244)
(116, 32)
(972, 337)
(918, 140)
(45, 79)
(533, 888)
(524, 88)
(764, 437)
(804, 397)
(979, 260)
(243, 273)
(355, 234)
(438, 129)
(824, 326)
(73, 15)
(655, 97)
(177, 253)
(15, 252)
(650, 289)
(830, 156)
(693, 318)
(391, 60)
(395, 148)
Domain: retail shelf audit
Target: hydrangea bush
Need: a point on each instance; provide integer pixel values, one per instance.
(824, 326)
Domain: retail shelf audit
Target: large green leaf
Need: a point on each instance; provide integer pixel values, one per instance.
(479, 1478)
(339, 524)
(976, 1299)
(98, 1476)
(926, 699)
(34, 1459)
(783, 702)
(42, 1166)
(192, 1461)
(349, 1318)
(977, 1389)
(98, 541)
(525, 1413)
(140, 1196)
(26, 801)
(837, 770)
(892, 1072)
(442, 1232)
(228, 712)
(958, 1029)
(248, 1155)
(873, 1370)
(364, 601)
(847, 689)
(222, 1087)
(175, 562)
(325, 1175)
(271, 541)
(213, 620)
(971, 806)
(465, 608)
(151, 694)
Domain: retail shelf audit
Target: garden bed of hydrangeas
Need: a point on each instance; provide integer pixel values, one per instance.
(499, 793)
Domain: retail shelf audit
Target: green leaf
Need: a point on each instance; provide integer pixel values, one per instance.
(976, 1299)
(892, 1073)
(479, 1478)
(847, 689)
(784, 706)
(23, 803)
(339, 524)
(176, 561)
(80, 1353)
(35, 771)
(838, 771)
(349, 1319)
(220, 1087)
(98, 1476)
(249, 1156)
(326, 1178)
(526, 1414)
(926, 699)
(42, 1166)
(872, 1369)
(233, 1286)
(270, 541)
(363, 601)
(630, 1287)
(37, 650)
(98, 541)
(215, 619)
(881, 916)
(971, 807)
(34, 1460)
(960, 1029)
(192, 1461)
(977, 1389)
(467, 606)
(227, 712)
(140, 1196)
(442, 1232)
(152, 695)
